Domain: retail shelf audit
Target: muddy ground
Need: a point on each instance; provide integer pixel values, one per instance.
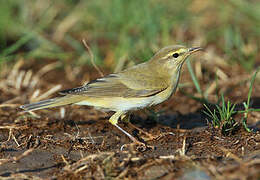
(78, 142)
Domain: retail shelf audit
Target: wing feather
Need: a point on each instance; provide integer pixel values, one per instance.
(124, 84)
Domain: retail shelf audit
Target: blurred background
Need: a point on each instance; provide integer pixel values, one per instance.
(41, 53)
(128, 30)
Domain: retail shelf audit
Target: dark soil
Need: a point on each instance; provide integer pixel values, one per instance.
(84, 144)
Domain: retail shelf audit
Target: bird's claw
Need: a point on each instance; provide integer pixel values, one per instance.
(151, 138)
(139, 146)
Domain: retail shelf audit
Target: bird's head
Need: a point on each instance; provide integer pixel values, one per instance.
(172, 57)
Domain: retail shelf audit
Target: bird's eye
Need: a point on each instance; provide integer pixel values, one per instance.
(175, 55)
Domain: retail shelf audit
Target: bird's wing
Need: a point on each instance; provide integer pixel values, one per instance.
(120, 85)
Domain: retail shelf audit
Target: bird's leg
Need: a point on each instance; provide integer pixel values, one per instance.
(126, 118)
(114, 120)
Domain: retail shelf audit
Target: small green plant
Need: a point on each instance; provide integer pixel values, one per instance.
(247, 104)
(222, 116)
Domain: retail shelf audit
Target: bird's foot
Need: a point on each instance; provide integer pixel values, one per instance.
(157, 137)
(136, 145)
(150, 137)
(140, 146)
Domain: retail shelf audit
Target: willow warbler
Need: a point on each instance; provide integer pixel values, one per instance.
(137, 87)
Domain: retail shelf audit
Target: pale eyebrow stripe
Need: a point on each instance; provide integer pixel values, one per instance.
(180, 52)
(170, 54)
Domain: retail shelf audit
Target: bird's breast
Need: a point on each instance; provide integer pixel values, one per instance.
(167, 93)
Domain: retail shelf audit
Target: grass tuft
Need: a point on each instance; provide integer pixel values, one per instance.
(222, 116)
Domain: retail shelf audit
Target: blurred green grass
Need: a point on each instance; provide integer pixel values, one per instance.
(137, 28)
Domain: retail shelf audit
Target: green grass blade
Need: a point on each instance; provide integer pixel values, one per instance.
(201, 100)
(210, 114)
(244, 123)
(249, 110)
(194, 78)
(251, 87)
(23, 40)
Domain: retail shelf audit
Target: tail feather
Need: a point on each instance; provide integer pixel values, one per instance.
(55, 102)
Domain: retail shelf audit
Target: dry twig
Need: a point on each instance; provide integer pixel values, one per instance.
(16, 158)
(92, 58)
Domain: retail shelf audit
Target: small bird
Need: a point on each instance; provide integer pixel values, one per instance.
(143, 85)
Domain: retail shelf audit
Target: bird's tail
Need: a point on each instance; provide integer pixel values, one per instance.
(55, 102)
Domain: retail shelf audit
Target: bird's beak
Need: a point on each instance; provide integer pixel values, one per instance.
(192, 50)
